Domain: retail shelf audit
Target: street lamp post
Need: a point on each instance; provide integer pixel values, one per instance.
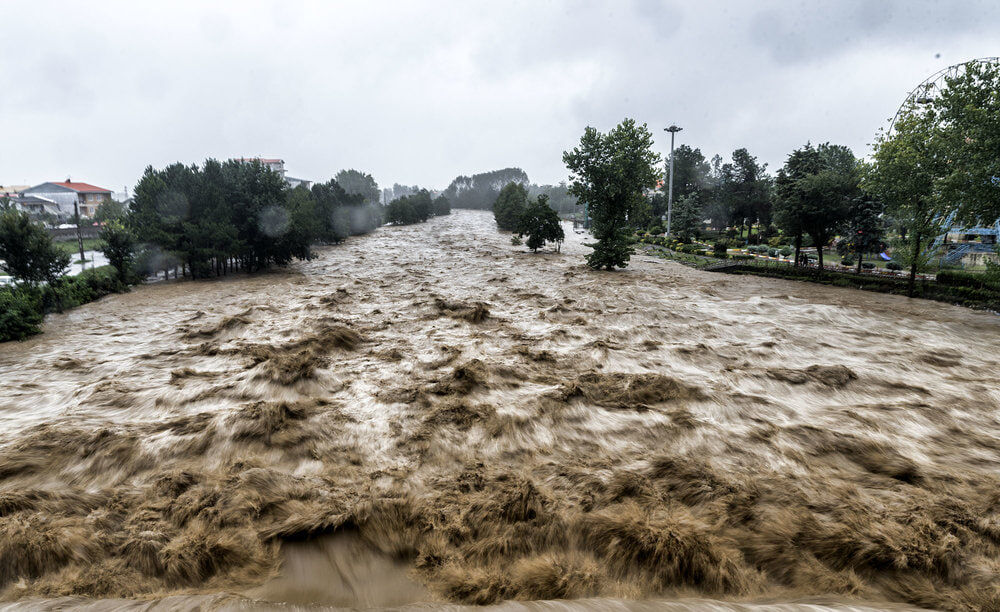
(673, 129)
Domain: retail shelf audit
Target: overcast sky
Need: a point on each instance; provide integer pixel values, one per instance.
(419, 92)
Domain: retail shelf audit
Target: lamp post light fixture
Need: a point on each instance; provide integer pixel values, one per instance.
(673, 129)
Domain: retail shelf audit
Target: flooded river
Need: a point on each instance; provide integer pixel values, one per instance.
(428, 416)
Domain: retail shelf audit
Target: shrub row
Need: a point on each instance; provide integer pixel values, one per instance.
(22, 308)
(977, 280)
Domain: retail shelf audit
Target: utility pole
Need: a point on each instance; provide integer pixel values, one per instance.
(79, 233)
(673, 129)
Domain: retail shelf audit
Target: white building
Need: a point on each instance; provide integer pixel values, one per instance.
(278, 165)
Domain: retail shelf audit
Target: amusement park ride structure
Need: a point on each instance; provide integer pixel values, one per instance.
(961, 244)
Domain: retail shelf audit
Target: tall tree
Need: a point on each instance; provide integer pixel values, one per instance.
(360, 183)
(509, 206)
(687, 217)
(815, 190)
(968, 122)
(744, 189)
(905, 168)
(480, 191)
(610, 174)
(865, 226)
(691, 172)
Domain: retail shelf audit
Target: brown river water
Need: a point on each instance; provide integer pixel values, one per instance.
(428, 416)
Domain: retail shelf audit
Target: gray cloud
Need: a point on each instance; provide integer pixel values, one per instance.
(417, 92)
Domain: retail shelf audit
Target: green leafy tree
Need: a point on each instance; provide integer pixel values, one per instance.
(359, 183)
(905, 168)
(743, 190)
(423, 206)
(118, 245)
(865, 226)
(479, 191)
(510, 204)
(540, 223)
(691, 172)
(815, 189)
(610, 174)
(968, 125)
(27, 250)
(401, 212)
(441, 206)
(686, 222)
(109, 210)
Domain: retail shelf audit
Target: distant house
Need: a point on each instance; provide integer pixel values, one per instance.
(11, 191)
(67, 193)
(278, 165)
(37, 205)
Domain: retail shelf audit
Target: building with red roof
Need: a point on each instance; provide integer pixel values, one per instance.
(69, 195)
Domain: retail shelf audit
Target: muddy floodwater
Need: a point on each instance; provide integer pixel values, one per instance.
(428, 416)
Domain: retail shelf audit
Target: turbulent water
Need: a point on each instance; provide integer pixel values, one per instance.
(429, 414)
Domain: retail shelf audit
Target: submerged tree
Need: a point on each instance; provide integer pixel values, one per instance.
(441, 206)
(540, 223)
(610, 174)
(510, 205)
(359, 183)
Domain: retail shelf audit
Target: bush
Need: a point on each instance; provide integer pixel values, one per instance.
(741, 257)
(892, 265)
(774, 242)
(847, 261)
(20, 313)
(656, 229)
(90, 285)
(786, 251)
(720, 247)
(772, 252)
(868, 265)
(961, 278)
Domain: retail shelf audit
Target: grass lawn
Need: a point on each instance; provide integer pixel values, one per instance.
(72, 246)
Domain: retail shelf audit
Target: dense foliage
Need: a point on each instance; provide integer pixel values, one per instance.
(610, 174)
(239, 215)
(27, 251)
(479, 191)
(509, 205)
(118, 246)
(815, 190)
(23, 306)
(355, 182)
(416, 208)
(20, 313)
(540, 223)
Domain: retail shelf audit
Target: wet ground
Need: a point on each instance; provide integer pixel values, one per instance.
(429, 414)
